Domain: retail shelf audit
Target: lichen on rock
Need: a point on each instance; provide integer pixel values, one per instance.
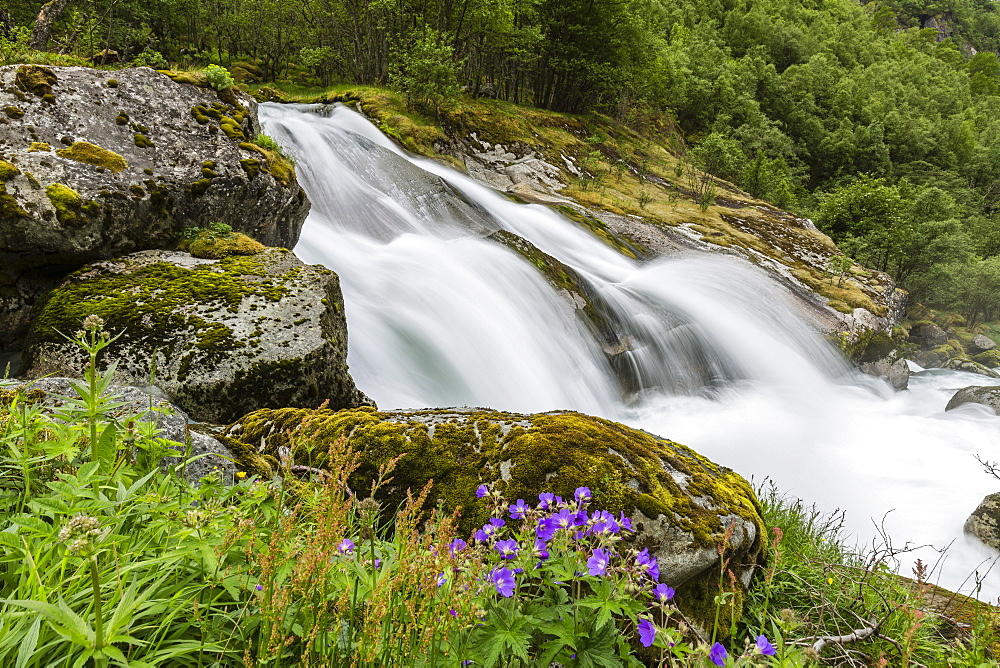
(92, 154)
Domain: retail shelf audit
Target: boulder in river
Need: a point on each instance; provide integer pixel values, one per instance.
(981, 343)
(222, 337)
(977, 394)
(97, 164)
(984, 522)
(683, 506)
(969, 366)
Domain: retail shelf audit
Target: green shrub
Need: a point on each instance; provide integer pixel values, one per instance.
(150, 58)
(218, 77)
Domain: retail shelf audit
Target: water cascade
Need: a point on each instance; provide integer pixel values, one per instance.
(704, 350)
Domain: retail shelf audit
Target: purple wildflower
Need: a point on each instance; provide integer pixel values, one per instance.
(647, 633)
(545, 529)
(541, 549)
(546, 500)
(490, 528)
(259, 587)
(346, 546)
(506, 548)
(441, 579)
(649, 563)
(564, 519)
(598, 563)
(456, 546)
(503, 580)
(582, 494)
(765, 647)
(718, 654)
(482, 491)
(663, 593)
(625, 522)
(518, 509)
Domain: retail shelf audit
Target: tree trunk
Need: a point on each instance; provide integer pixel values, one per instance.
(6, 25)
(49, 14)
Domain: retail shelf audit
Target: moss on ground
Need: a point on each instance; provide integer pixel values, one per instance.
(212, 246)
(37, 80)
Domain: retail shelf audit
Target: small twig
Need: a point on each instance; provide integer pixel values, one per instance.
(854, 636)
(299, 468)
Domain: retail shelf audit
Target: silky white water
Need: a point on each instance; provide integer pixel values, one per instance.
(702, 350)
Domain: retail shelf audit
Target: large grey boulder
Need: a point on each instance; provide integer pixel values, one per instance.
(685, 508)
(97, 164)
(981, 343)
(984, 522)
(149, 404)
(928, 335)
(969, 366)
(221, 337)
(976, 394)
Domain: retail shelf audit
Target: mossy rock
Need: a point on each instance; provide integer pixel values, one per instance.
(37, 80)
(680, 502)
(214, 247)
(199, 325)
(92, 154)
(989, 359)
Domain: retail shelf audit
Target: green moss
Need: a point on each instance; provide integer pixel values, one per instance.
(10, 208)
(232, 129)
(154, 299)
(67, 203)
(13, 112)
(121, 118)
(601, 231)
(137, 190)
(277, 165)
(37, 80)
(39, 147)
(93, 154)
(142, 141)
(112, 83)
(7, 170)
(212, 246)
(193, 78)
(200, 187)
(251, 167)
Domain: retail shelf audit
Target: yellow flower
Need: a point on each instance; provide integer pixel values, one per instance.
(829, 580)
(241, 474)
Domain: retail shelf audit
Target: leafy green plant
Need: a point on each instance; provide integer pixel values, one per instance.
(218, 77)
(151, 58)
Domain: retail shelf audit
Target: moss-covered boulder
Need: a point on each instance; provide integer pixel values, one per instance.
(878, 354)
(91, 170)
(969, 366)
(988, 396)
(222, 337)
(990, 358)
(681, 503)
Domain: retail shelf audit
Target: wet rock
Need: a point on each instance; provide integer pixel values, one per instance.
(221, 337)
(984, 522)
(969, 366)
(683, 505)
(877, 354)
(977, 394)
(97, 164)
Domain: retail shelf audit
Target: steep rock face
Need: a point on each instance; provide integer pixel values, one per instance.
(98, 164)
(976, 394)
(148, 404)
(222, 337)
(681, 503)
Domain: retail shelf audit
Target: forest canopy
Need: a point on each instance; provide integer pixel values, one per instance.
(880, 120)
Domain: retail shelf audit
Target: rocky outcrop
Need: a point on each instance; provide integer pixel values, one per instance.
(984, 522)
(220, 337)
(144, 404)
(683, 505)
(976, 394)
(969, 366)
(97, 164)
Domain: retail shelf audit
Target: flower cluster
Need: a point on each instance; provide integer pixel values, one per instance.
(79, 534)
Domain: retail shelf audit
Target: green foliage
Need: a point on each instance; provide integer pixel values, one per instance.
(426, 71)
(218, 77)
(151, 58)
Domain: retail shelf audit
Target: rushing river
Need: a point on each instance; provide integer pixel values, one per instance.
(704, 350)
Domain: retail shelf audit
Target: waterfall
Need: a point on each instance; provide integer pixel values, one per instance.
(444, 310)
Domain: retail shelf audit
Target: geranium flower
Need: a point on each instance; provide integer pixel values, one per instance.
(518, 509)
(582, 494)
(346, 546)
(546, 500)
(482, 491)
(647, 633)
(718, 654)
(765, 647)
(598, 562)
(663, 593)
(503, 580)
(506, 548)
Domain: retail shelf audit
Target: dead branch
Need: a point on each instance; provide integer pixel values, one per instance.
(854, 636)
